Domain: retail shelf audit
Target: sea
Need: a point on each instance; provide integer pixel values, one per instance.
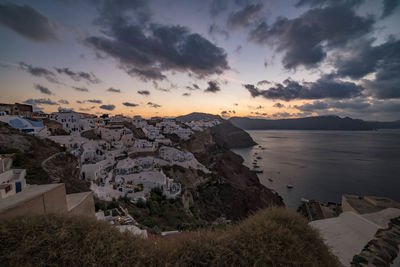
(323, 165)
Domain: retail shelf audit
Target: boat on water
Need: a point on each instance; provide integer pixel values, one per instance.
(270, 179)
(257, 171)
(290, 185)
(304, 200)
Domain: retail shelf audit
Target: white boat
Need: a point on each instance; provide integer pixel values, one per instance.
(290, 185)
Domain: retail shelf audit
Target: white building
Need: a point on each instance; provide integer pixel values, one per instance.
(142, 145)
(12, 181)
(72, 121)
(181, 158)
(24, 125)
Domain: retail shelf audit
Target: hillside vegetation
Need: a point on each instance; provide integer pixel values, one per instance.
(273, 237)
(30, 152)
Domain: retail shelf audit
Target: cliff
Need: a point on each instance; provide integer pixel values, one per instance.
(231, 190)
(309, 123)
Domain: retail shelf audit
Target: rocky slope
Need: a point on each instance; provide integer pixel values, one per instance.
(231, 190)
(42, 159)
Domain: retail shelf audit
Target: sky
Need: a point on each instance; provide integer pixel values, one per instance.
(263, 59)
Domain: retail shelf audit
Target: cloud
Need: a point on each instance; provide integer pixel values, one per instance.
(147, 49)
(186, 94)
(213, 87)
(259, 107)
(80, 102)
(153, 105)
(214, 29)
(107, 107)
(217, 6)
(263, 82)
(278, 105)
(143, 92)
(238, 49)
(63, 101)
(388, 7)
(87, 109)
(42, 89)
(61, 109)
(39, 72)
(81, 89)
(320, 3)
(324, 87)
(113, 90)
(244, 17)
(27, 22)
(358, 107)
(40, 101)
(364, 58)
(96, 101)
(128, 104)
(193, 87)
(79, 76)
(316, 105)
(306, 39)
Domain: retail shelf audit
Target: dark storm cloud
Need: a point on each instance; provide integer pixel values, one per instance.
(113, 90)
(39, 72)
(244, 17)
(305, 39)
(95, 101)
(359, 107)
(316, 105)
(26, 21)
(153, 105)
(364, 58)
(63, 101)
(325, 87)
(313, 3)
(80, 102)
(42, 89)
(147, 49)
(81, 89)
(388, 7)
(128, 104)
(278, 105)
(143, 92)
(186, 94)
(79, 76)
(107, 107)
(40, 101)
(213, 87)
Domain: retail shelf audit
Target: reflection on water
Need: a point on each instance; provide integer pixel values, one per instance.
(324, 165)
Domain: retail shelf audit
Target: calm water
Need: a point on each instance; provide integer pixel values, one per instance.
(323, 165)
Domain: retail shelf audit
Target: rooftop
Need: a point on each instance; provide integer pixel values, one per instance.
(369, 204)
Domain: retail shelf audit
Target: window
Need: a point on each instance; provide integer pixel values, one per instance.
(8, 188)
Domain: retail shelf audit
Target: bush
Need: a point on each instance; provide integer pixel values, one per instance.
(274, 237)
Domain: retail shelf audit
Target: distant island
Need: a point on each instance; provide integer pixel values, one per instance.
(331, 122)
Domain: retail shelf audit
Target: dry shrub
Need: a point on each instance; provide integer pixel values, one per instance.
(272, 237)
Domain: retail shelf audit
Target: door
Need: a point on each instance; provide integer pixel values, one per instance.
(18, 187)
